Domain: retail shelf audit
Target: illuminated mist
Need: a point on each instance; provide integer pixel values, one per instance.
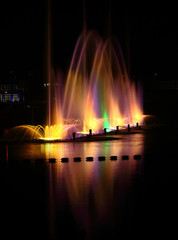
(96, 94)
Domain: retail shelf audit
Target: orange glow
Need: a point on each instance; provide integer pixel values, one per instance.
(97, 93)
(92, 182)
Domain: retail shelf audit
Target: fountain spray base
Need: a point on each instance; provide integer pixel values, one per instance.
(104, 136)
(112, 135)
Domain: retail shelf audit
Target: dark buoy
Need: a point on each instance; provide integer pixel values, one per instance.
(64, 159)
(40, 161)
(125, 157)
(113, 158)
(89, 158)
(101, 158)
(137, 157)
(52, 160)
(77, 159)
(73, 135)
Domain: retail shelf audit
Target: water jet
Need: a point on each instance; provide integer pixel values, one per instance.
(97, 94)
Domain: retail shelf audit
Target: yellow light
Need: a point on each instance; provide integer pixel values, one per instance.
(82, 132)
(49, 138)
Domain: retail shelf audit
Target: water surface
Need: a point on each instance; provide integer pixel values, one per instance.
(85, 200)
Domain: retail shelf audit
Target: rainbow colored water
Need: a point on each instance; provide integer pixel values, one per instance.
(96, 94)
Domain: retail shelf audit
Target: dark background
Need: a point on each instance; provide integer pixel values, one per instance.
(147, 33)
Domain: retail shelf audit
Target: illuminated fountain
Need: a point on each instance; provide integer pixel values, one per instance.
(96, 94)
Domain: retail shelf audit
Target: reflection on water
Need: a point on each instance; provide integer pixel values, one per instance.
(126, 145)
(85, 199)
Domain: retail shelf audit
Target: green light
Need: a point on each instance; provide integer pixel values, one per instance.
(106, 122)
(104, 113)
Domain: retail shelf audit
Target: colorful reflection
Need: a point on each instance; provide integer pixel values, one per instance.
(91, 190)
(83, 196)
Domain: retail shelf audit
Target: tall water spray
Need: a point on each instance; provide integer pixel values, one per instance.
(97, 93)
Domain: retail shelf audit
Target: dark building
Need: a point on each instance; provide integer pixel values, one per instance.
(21, 101)
(11, 88)
(11, 92)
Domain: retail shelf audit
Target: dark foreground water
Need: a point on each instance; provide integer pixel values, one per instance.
(119, 199)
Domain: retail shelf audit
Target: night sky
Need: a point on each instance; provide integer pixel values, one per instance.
(147, 32)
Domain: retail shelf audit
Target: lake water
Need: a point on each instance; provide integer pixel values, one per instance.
(111, 199)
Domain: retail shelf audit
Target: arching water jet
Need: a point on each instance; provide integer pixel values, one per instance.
(97, 93)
